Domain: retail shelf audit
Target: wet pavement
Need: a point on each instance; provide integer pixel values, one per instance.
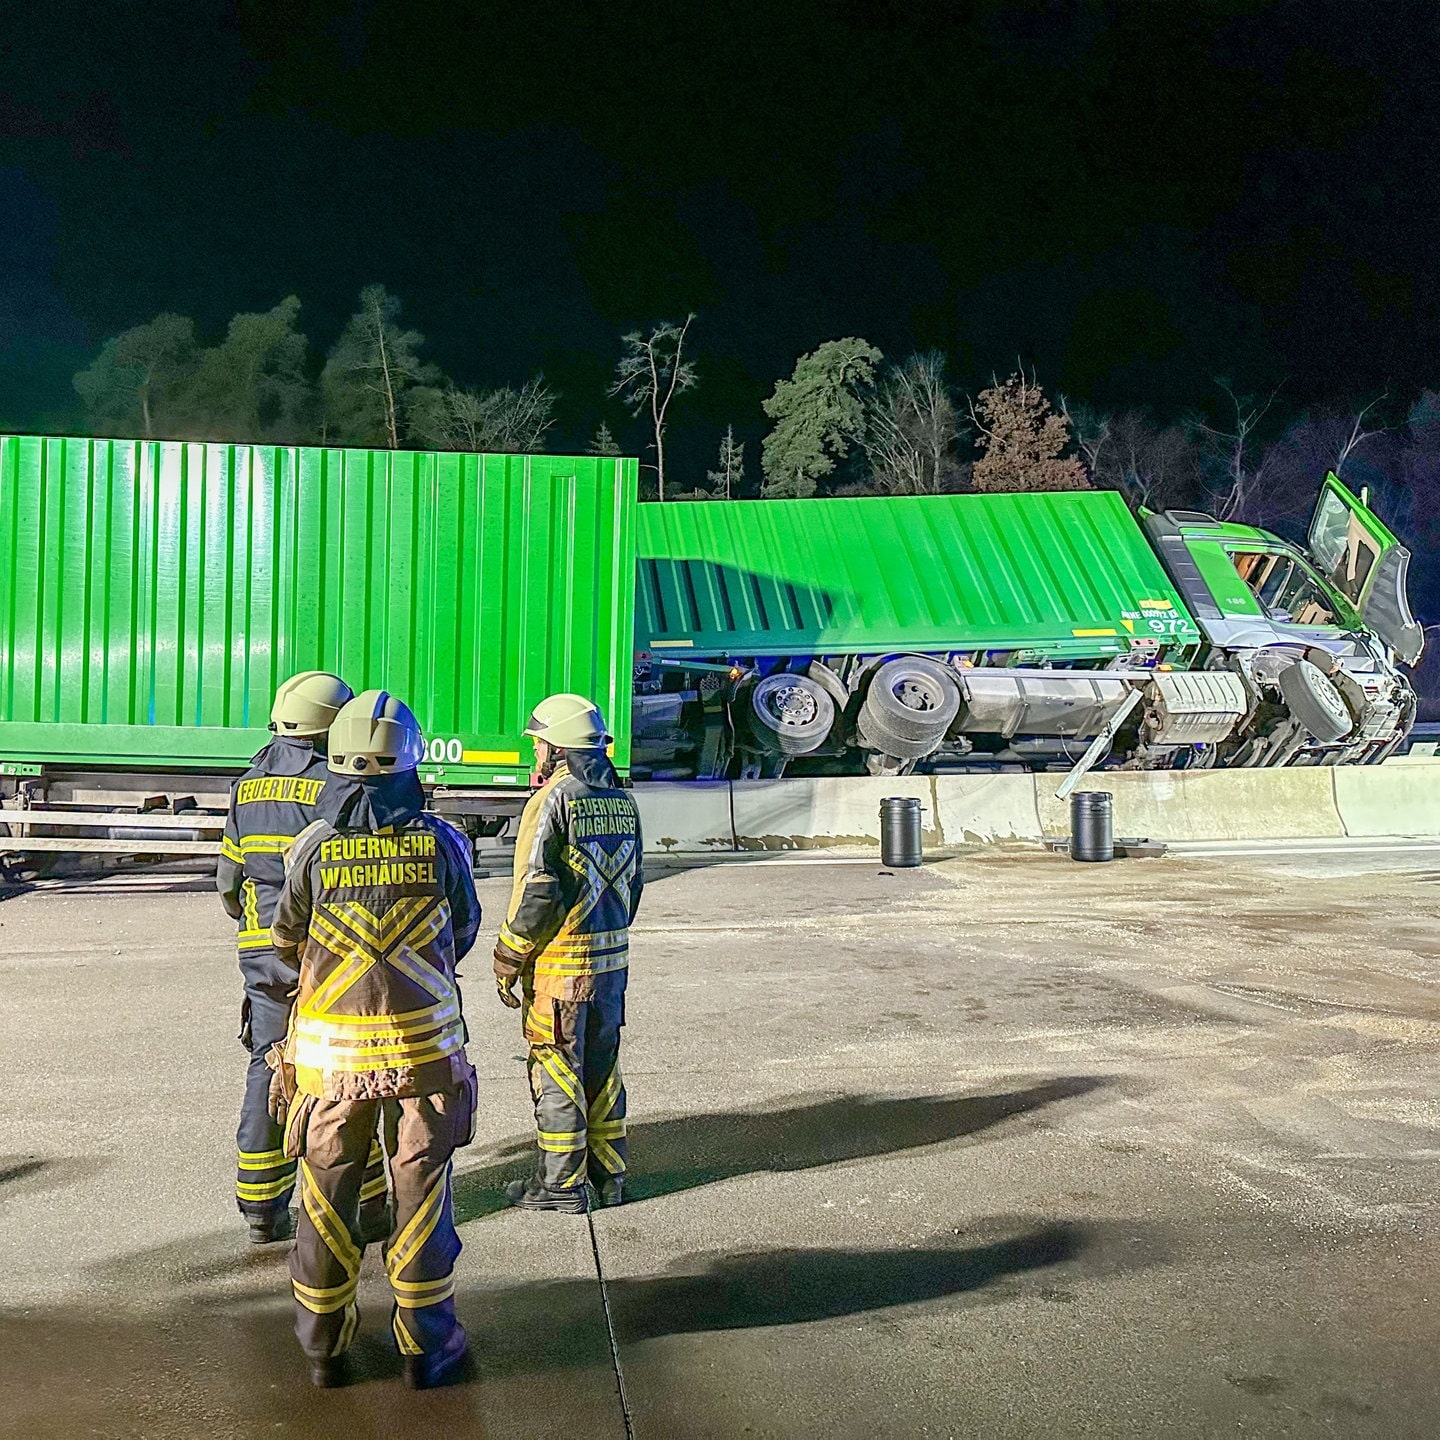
(1005, 1146)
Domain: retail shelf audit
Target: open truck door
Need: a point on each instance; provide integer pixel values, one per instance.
(1362, 559)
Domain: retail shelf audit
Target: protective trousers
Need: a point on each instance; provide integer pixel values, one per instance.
(264, 1178)
(421, 1134)
(575, 1079)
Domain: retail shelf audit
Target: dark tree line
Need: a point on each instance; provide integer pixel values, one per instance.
(259, 383)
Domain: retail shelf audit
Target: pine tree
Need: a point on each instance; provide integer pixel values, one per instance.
(603, 443)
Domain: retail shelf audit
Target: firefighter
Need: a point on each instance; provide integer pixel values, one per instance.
(272, 802)
(565, 941)
(379, 907)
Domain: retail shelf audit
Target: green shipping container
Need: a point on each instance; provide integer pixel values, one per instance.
(153, 594)
(1067, 576)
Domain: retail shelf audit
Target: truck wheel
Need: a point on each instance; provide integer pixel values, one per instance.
(913, 699)
(872, 736)
(789, 714)
(1313, 700)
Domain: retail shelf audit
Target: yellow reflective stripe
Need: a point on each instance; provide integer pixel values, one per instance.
(325, 1302)
(376, 1154)
(328, 1224)
(518, 943)
(419, 1287)
(419, 1302)
(371, 1188)
(229, 849)
(264, 1189)
(560, 1142)
(607, 1155)
(321, 1053)
(590, 965)
(593, 939)
(254, 940)
(347, 1330)
(607, 1130)
(411, 1240)
(348, 1029)
(260, 1159)
(560, 1073)
(403, 1338)
(604, 1102)
(415, 969)
(354, 964)
(265, 844)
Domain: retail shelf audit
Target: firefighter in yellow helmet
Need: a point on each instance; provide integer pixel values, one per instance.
(566, 942)
(270, 804)
(379, 906)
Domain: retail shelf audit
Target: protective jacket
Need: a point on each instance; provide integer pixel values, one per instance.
(270, 805)
(577, 882)
(380, 905)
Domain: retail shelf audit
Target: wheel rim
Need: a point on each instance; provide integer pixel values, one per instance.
(914, 694)
(789, 707)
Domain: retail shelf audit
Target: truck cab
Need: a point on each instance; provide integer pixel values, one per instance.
(1337, 606)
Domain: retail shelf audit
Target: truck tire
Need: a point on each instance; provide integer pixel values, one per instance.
(873, 737)
(1313, 700)
(789, 714)
(913, 699)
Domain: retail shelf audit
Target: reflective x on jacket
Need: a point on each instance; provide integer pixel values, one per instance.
(269, 806)
(381, 919)
(577, 882)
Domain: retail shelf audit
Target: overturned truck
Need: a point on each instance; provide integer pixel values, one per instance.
(1035, 631)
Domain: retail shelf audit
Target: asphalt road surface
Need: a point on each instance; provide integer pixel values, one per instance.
(1005, 1146)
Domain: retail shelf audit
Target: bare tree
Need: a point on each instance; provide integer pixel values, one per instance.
(1150, 465)
(1357, 437)
(911, 429)
(1090, 428)
(1239, 471)
(500, 422)
(650, 374)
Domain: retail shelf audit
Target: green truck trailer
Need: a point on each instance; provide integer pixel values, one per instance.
(153, 594)
(1036, 630)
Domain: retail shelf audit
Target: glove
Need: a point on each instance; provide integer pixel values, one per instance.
(282, 1084)
(507, 971)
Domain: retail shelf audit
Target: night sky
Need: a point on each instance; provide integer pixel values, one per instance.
(1135, 198)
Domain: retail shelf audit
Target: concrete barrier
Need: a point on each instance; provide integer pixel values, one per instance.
(1208, 804)
(978, 808)
(823, 814)
(1389, 799)
(686, 819)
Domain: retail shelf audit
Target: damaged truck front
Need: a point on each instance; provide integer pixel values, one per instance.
(1044, 631)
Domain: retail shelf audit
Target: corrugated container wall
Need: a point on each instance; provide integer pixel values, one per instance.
(1070, 575)
(154, 593)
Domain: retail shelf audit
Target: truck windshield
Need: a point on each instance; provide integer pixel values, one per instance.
(1288, 592)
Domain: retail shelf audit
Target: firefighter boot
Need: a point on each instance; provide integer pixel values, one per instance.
(441, 1367)
(271, 1227)
(532, 1195)
(608, 1192)
(329, 1371)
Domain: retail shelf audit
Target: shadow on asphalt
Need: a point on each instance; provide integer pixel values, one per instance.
(687, 1151)
(232, 1358)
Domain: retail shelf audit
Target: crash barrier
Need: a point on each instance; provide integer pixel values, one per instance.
(958, 810)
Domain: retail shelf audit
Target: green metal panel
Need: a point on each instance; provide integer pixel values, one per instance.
(1070, 575)
(153, 594)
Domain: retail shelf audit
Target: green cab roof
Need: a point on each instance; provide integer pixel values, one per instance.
(1068, 573)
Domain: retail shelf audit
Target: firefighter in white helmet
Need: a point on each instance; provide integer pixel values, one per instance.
(379, 907)
(565, 941)
(270, 804)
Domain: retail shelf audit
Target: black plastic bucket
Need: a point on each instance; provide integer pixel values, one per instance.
(1092, 826)
(900, 832)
